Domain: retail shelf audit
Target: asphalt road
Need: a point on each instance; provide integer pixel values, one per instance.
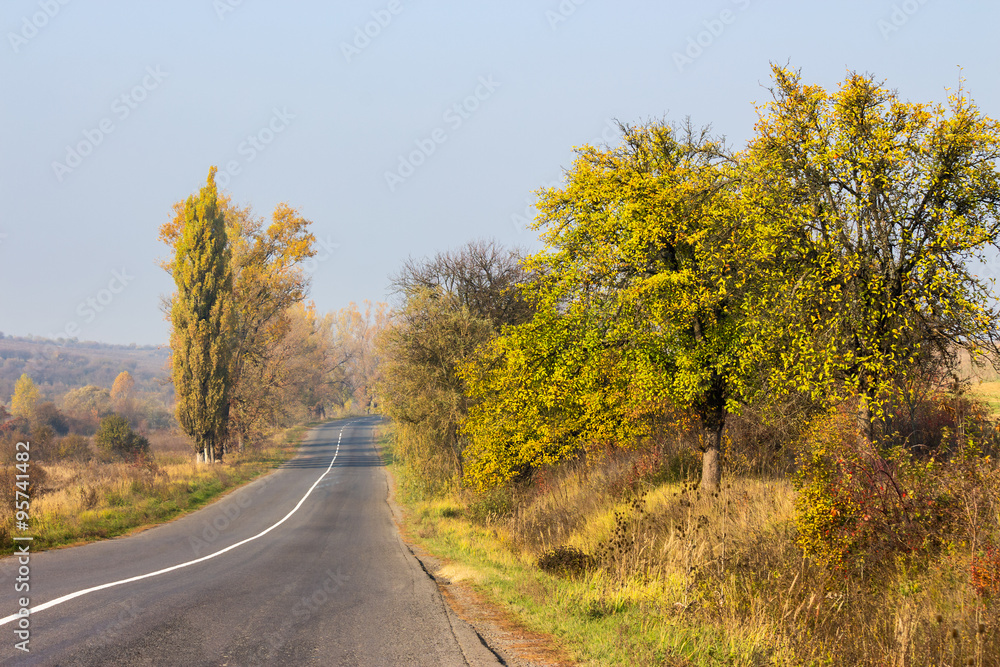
(333, 584)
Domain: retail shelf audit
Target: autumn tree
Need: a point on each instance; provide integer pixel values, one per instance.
(122, 395)
(543, 391)
(307, 380)
(201, 337)
(887, 206)
(640, 295)
(121, 390)
(453, 303)
(89, 402)
(266, 264)
(357, 366)
(424, 348)
(25, 398)
(483, 276)
(268, 280)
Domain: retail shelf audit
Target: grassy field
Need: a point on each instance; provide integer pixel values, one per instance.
(78, 502)
(989, 392)
(648, 571)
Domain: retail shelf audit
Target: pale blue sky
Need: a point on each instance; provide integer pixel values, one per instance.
(198, 81)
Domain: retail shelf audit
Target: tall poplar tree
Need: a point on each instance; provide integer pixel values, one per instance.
(202, 318)
(266, 262)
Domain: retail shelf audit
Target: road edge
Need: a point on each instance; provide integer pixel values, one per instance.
(493, 627)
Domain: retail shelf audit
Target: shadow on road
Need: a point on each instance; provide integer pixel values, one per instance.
(365, 458)
(343, 461)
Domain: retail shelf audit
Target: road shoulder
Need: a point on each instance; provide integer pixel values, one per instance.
(478, 623)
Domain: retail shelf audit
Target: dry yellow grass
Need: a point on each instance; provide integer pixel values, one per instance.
(84, 501)
(989, 392)
(681, 573)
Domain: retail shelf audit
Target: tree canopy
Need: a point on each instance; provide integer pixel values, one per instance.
(201, 337)
(832, 256)
(887, 205)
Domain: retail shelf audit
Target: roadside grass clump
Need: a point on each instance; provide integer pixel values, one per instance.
(490, 506)
(566, 561)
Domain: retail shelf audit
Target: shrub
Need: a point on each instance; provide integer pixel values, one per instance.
(492, 505)
(566, 561)
(73, 448)
(48, 415)
(115, 436)
(42, 439)
(985, 571)
(860, 508)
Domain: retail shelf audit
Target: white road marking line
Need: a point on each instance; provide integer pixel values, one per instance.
(66, 598)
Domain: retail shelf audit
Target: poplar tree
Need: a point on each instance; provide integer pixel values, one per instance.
(202, 318)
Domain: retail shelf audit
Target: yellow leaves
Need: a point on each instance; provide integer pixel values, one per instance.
(25, 397)
(828, 246)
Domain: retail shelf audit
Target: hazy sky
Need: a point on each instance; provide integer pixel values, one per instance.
(112, 111)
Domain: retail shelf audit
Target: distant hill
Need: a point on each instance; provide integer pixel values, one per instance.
(57, 367)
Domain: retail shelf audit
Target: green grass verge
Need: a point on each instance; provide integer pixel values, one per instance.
(594, 621)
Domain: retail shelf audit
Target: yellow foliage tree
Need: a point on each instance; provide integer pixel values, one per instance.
(886, 206)
(25, 398)
(265, 261)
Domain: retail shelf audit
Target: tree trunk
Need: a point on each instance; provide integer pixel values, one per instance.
(455, 447)
(208, 451)
(864, 419)
(711, 460)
